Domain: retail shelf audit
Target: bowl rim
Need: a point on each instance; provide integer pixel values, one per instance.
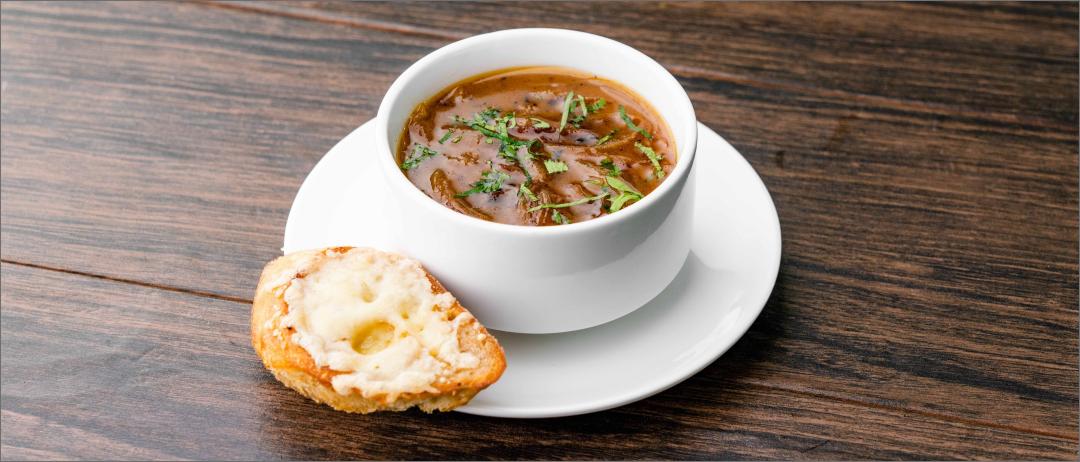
(687, 145)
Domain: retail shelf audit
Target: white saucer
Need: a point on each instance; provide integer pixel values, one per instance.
(722, 288)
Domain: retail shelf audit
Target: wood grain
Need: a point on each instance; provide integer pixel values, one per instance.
(928, 202)
(100, 369)
(984, 56)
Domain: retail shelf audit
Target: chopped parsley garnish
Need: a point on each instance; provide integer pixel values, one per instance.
(566, 106)
(456, 139)
(555, 166)
(508, 152)
(489, 182)
(576, 120)
(446, 136)
(528, 148)
(573, 102)
(511, 151)
(618, 184)
(479, 123)
(559, 218)
(420, 152)
(612, 169)
(653, 157)
(540, 124)
(498, 130)
(503, 125)
(605, 138)
(630, 123)
(525, 192)
(627, 193)
(583, 200)
(598, 105)
(490, 113)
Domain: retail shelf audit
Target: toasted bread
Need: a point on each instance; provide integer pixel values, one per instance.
(363, 330)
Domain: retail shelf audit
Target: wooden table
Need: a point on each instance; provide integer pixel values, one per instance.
(923, 159)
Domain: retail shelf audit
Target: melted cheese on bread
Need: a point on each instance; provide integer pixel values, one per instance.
(377, 322)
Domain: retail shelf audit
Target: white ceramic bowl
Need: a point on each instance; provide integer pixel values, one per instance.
(553, 278)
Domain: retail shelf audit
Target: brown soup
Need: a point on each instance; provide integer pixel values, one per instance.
(536, 146)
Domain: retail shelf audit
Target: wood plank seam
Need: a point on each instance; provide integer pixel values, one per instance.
(676, 69)
(854, 402)
(856, 97)
(1063, 436)
(381, 26)
(128, 281)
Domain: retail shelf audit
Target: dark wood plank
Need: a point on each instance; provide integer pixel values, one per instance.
(984, 57)
(99, 369)
(930, 257)
(149, 133)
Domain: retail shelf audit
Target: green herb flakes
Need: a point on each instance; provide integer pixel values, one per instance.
(653, 157)
(490, 113)
(576, 103)
(446, 136)
(489, 182)
(497, 128)
(583, 200)
(420, 152)
(540, 124)
(555, 166)
(606, 138)
(578, 119)
(627, 193)
(525, 192)
(567, 104)
(559, 218)
(508, 152)
(610, 166)
(630, 123)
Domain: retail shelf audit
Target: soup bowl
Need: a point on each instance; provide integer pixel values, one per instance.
(544, 279)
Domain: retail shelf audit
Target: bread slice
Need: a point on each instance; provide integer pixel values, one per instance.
(363, 330)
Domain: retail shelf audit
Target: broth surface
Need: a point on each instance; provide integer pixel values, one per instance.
(491, 147)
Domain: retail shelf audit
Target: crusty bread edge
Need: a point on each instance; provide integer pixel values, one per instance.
(293, 366)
